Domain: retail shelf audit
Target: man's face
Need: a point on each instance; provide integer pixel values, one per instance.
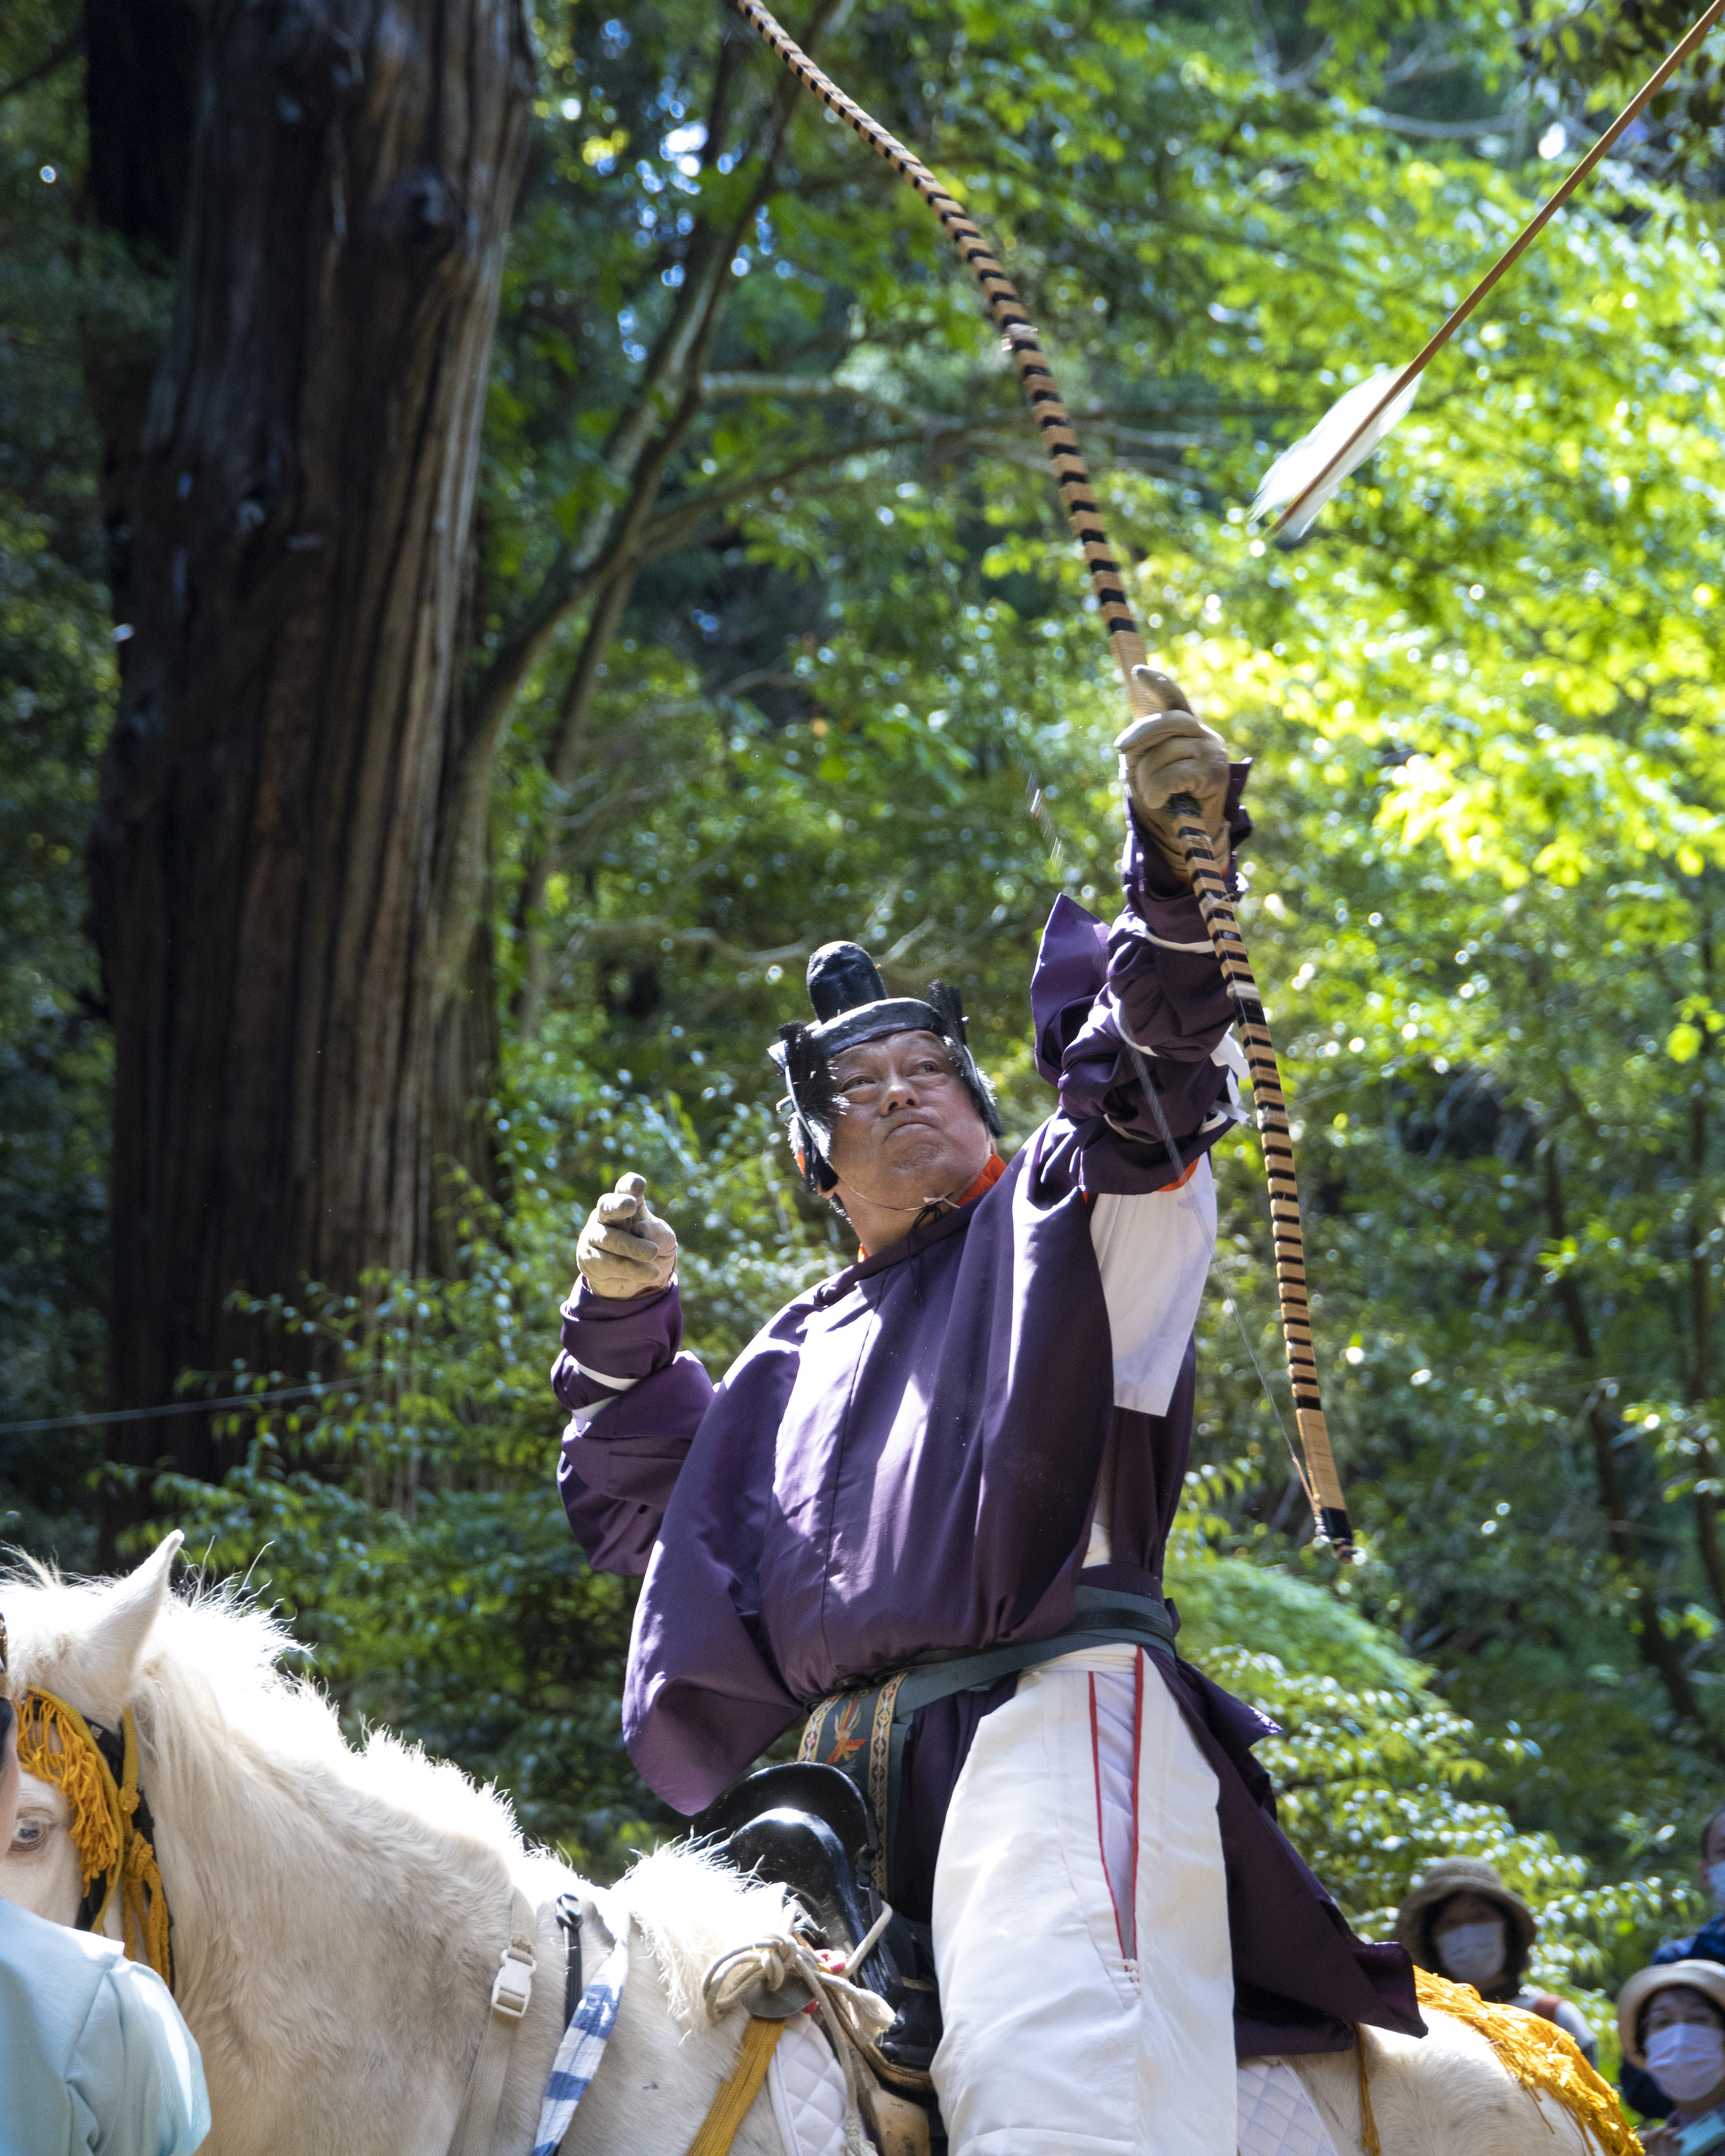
(908, 1129)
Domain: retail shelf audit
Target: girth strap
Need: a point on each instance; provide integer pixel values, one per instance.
(738, 2090)
(475, 2131)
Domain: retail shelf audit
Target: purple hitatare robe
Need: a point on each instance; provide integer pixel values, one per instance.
(905, 1462)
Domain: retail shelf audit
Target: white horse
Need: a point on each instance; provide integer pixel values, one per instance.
(339, 1917)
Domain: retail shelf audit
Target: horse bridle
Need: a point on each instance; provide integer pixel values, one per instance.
(111, 1744)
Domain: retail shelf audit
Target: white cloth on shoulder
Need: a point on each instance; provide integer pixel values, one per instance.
(1153, 1251)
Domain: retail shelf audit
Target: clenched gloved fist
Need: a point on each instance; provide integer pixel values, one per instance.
(1170, 754)
(625, 1249)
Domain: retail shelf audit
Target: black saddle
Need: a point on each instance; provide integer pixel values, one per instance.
(806, 1827)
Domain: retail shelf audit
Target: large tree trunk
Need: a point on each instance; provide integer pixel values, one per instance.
(290, 734)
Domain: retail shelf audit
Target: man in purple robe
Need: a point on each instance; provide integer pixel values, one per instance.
(926, 1508)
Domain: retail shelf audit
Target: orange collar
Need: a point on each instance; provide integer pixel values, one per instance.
(992, 1169)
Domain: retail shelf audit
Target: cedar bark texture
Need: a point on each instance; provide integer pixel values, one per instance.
(293, 1044)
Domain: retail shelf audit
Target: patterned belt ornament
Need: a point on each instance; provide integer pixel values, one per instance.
(833, 1735)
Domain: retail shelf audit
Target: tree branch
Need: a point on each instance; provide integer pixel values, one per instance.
(710, 940)
(68, 46)
(679, 357)
(565, 745)
(1600, 1422)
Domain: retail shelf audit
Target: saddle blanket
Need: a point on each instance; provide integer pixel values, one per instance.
(1276, 2115)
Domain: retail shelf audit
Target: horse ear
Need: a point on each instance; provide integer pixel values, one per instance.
(108, 1656)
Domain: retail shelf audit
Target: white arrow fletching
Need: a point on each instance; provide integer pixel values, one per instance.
(1304, 460)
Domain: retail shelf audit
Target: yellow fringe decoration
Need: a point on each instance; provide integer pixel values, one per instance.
(55, 1743)
(1542, 2056)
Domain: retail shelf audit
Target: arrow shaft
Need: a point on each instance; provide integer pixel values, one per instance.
(1517, 246)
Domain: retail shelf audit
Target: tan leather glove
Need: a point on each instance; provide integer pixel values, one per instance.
(625, 1249)
(1172, 753)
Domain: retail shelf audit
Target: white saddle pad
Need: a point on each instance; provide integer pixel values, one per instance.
(1276, 2115)
(808, 2090)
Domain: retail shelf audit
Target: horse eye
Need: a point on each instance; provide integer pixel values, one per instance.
(29, 1832)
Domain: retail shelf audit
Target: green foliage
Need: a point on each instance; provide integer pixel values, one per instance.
(56, 685)
(854, 646)
(1376, 1778)
(1222, 1600)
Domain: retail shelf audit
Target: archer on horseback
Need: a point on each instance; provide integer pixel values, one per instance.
(925, 1514)
(927, 1506)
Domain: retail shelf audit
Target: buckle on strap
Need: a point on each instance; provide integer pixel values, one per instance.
(513, 1987)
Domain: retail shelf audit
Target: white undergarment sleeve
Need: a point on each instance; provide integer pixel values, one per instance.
(1231, 1056)
(1154, 1253)
(1085, 1788)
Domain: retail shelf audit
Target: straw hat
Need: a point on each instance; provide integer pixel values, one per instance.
(1706, 1977)
(1462, 1874)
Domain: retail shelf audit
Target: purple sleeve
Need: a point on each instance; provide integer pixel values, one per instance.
(1152, 980)
(610, 1343)
(702, 1696)
(636, 1405)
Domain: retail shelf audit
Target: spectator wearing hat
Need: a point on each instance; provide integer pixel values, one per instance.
(93, 2055)
(1462, 1921)
(1671, 2020)
(1709, 1944)
(1706, 1944)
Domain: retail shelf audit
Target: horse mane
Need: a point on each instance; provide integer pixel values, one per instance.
(212, 1702)
(691, 1909)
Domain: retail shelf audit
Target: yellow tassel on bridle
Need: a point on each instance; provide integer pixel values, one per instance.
(56, 1744)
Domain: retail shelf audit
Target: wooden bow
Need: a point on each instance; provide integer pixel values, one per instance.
(1147, 692)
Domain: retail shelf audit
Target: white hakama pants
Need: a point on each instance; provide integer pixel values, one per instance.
(1080, 1926)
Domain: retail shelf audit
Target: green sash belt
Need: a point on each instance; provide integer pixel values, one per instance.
(862, 1733)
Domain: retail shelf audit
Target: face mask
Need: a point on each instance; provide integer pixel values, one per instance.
(1716, 1880)
(1472, 1954)
(1687, 2059)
